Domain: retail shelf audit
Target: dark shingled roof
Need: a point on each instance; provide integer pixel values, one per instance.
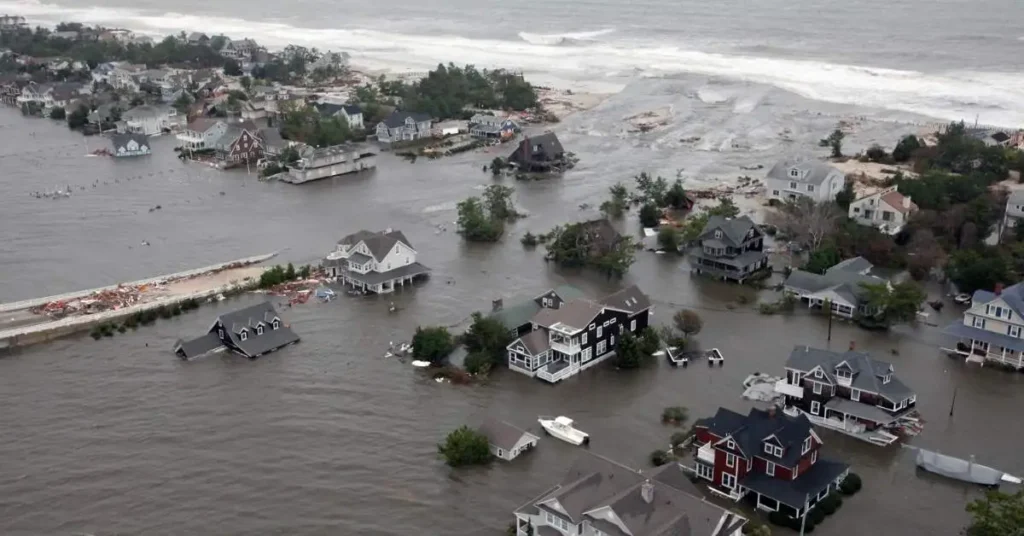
(867, 371)
(535, 342)
(541, 147)
(249, 317)
(397, 118)
(577, 314)
(734, 230)
(501, 434)
(750, 431)
(198, 346)
(379, 243)
(630, 299)
(121, 140)
(794, 492)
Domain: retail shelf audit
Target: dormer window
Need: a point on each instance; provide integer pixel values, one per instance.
(276, 323)
(730, 444)
(259, 329)
(244, 334)
(718, 233)
(817, 373)
(886, 378)
(774, 450)
(794, 173)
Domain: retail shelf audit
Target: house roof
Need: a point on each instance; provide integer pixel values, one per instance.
(502, 434)
(379, 243)
(546, 144)
(734, 230)
(575, 314)
(272, 138)
(895, 200)
(1000, 136)
(198, 346)
(147, 110)
(795, 492)
(535, 342)
(202, 124)
(750, 431)
(867, 370)
(1013, 295)
(630, 299)
(593, 485)
(1016, 197)
(812, 171)
(397, 118)
(359, 258)
(249, 317)
(845, 279)
(121, 140)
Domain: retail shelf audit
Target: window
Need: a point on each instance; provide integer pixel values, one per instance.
(244, 335)
(777, 451)
(815, 407)
(807, 446)
(810, 187)
(705, 471)
(501, 453)
(856, 210)
(632, 325)
(770, 469)
(728, 481)
(979, 322)
(796, 471)
(220, 333)
(600, 348)
(511, 356)
(794, 173)
(730, 444)
(886, 215)
(612, 342)
(583, 339)
(586, 355)
(999, 312)
(591, 327)
(817, 373)
(814, 457)
(718, 233)
(775, 192)
(259, 329)
(855, 395)
(913, 398)
(768, 449)
(988, 309)
(730, 460)
(600, 331)
(792, 186)
(817, 388)
(276, 323)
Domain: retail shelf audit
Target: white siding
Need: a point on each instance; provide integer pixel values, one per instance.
(399, 256)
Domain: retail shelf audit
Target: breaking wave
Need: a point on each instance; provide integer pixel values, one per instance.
(992, 98)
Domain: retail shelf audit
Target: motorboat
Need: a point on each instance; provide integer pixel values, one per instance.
(963, 470)
(420, 364)
(562, 428)
(963, 299)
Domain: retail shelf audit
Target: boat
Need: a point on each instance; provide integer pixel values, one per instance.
(963, 299)
(421, 364)
(325, 294)
(562, 428)
(963, 470)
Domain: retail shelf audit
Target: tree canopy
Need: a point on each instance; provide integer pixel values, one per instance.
(577, 245)
(308, 126)
(448, 90)
(688, 322)
(432, 344)
(485, 340)
(40, 42)
(465, 446)
(484, 220)
(634, 352)
(899, 304)
(996, 514)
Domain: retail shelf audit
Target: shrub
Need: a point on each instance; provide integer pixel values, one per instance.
(529, 239)
(851, 484)
(176, 310)
(659, 458)
(817, 515)
(478, 363)
(678, 438)
(779, 519)
(465, 446)
(753, 528)
(163, 311)
(432, 344)
(674, 415)
(122, 328)
(830, 504)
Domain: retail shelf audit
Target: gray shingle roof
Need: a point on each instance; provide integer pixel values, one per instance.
(794, 492)
(577, 314)
(734, 230)
(249, 317)
(750, 431)
(535, 342)
(359, 258)
(1013, 295)
(543, 146)
(198, 346)
(630, 299)
(502, 434)
(868, 371)
(379, 243)
(397, 119)
(121, 140)
(811, 171)
(845, 279)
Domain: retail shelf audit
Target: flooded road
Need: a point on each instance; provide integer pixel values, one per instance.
(325, 437)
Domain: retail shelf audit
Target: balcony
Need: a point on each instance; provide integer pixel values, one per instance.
(844, 381)
(706, 454)
(556, 371)
(788, 389)
(564, 344)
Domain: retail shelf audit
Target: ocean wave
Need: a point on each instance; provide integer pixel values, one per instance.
(992, 98)
(564, 38)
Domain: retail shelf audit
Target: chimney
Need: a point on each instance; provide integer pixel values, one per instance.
(853, 346)
(999, 289)
(647, 491)
(906, 201)
(496, 305)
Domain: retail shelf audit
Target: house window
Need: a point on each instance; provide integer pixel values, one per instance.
(768, 448)
(815, 407)
(600, 348)
(730, 444)
(886, 215)
(600, 331)
(856, 210)
(810, 187)
(817, 388)
(999, 312)
(591, 327)
(220, 333)
(586, 355)
(988, 309)
(612, 343)
(796, 471)
(276, 323)
(794, 173)
(705, 471)
(807, 446)
(817, 373)
(978, 322)
(814, 457)
(632, 325)
(792, 185)
(777, 451)
(855, 395)
(730, 460)
(728, 481)
(511, 356)
(770, 469)
(259, 329)
(501, 453)
(718, 233)
(243, 335)
(775, 192)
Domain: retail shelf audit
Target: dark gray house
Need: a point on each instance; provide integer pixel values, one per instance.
(251, 332)
(130, 145)
(539, 153)
(568, 337)
(517, 316)
(598, 496)
(731, 249)
(404, 126)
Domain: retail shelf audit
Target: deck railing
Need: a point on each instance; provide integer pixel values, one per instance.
(557, 376)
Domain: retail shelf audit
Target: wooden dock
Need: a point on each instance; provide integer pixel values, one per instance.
(19, 326)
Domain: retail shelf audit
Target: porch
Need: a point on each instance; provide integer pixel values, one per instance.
(794, 497)
(840, 422)
(380, 282)
(980, 346)
(558, 370)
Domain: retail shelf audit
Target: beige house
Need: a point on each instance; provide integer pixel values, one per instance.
(887, 209)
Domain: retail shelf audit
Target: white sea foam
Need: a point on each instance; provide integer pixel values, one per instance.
(992, 98)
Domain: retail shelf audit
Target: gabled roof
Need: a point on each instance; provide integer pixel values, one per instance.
(845, 279)
(379, 243)
(734, 230)
(1012, 295)
(630, 299)
(397, 118)
(812, 171)
(546, 144)
(502, 434)
(535, 342)
(147, 110)
(750, 431)
(248, 318)
(202, 124)
(868, 371)
(575, 314)
(121, 140)
(198, 346)
(895, 200)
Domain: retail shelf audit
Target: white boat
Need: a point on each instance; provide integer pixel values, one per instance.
(562, 428)
(963, 299)
(959, 469)
(421, 364)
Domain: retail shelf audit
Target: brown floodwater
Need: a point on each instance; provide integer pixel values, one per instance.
(326, 437)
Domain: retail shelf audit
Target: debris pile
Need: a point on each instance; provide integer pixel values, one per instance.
(301, 290)
(97, 302)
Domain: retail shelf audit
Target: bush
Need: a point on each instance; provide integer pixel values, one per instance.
(659, 458)
(465, 446)
(529, 239)
(830, 504)
(650, 216)
(432, 344)
(850, 485)
(478, 363)
(753, 528)
(779, 519)
(676, 415)
(163, 312)
(816, 515)
(176, 310)
(876, 153)
(122, 328)
(678, 438)
(58, 113)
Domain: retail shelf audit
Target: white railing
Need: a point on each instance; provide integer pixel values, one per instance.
(558, 376)
(788, 389)
(706, 454)
(564, 348)
(845, 382)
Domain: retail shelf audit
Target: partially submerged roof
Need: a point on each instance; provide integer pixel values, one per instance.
(198, 346)
(250, 317)
(735, 231)
(630, 299)
(868, 372)
(122, 140)
(810, 170)
(575, 314)
(502, 434)
(379, 243)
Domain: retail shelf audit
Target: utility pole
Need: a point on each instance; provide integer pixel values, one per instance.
(807, 506)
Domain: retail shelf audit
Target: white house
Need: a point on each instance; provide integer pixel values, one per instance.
(374, 262)
(202, 133)
(507, 441)
(797, 177)
(886, 209)
(151, 119)
(1014, 209)
(123, 77)
(841, 287)
(993, 328)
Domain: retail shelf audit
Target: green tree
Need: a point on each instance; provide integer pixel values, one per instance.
(78, 118)
(669, 238)
(846, 196)
(835, 142)
(896, 305)
(688, 322)
(876, 153)
(694, 226)
(498, 200)
(497, 165)
(628, 354)
(675, 415)
(725, 208)
(58, 113)
(183, 102)
(823, 258)
(465, 446)
(676, 196)
(996, 514)
(649, 341)
(650, 215)
(905, 148)
(618, 203)
(475, 224)
(232, 68)
(487, 336)
(652, 190)
(432, 344)
(974, 269)
(289, 272)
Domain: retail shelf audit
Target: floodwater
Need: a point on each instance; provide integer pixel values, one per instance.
(327, 437)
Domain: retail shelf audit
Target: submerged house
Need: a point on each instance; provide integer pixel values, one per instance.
(540, 154)
(850, 392)
(130, 145)
(251, 332)
(600, 497)
(766, 456)
(374, 261)
(843, 286)
(731, 249)
(565, 337)
(324, 163)
(993, 328)
(506, 440)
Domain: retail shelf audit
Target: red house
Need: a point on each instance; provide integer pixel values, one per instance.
(768, 456)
